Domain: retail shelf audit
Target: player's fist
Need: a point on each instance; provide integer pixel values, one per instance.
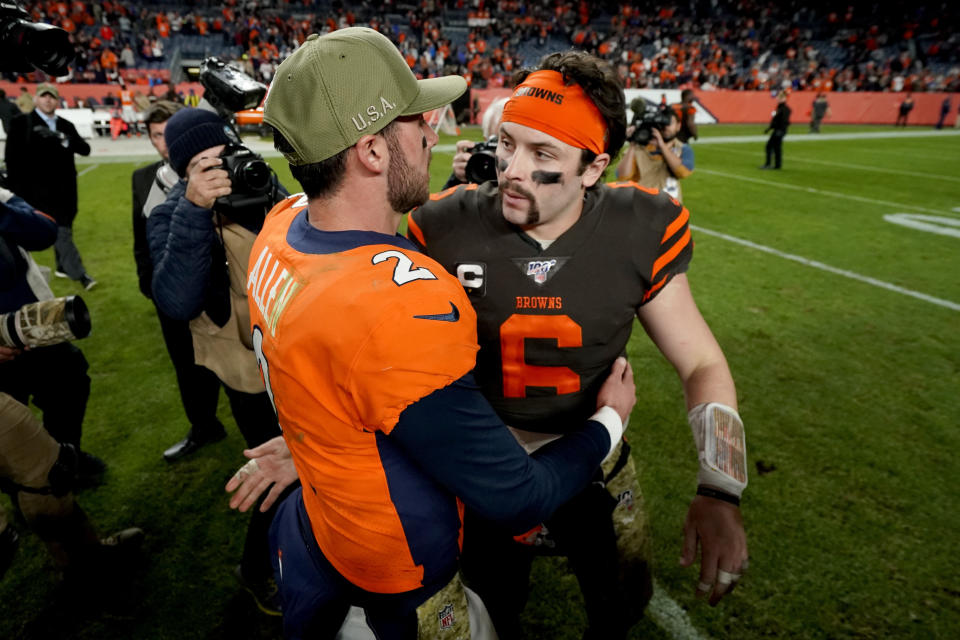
(619, 391)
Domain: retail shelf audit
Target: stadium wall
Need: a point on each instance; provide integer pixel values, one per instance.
(756, 107)
(725, 107)
(98, 91)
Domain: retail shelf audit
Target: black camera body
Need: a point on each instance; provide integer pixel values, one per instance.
(645, 122)
(228, 89)
(482, 165)
(25, 44)
(251, 181)
(253, 190)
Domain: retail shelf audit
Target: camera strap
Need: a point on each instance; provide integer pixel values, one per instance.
(35, 278)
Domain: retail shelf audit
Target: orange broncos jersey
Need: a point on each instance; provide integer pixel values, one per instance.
(350, 328)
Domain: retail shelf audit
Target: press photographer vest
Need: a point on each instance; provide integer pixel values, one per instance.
(227, 350)
(650, 169)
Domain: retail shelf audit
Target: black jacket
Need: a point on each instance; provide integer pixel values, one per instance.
(40, 164)
(8, 111)
(781, 119)
(142, 182)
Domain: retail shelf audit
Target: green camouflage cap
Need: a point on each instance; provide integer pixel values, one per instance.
(341, 86)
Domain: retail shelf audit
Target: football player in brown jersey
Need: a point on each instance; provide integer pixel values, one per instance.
(557, 266)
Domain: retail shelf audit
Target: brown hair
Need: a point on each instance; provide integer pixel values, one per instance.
(160, 111)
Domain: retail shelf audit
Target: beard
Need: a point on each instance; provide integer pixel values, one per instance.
(533, 212)
(406, 188)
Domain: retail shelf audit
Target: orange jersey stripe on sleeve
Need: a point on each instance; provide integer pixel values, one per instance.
(674, 226)
(655, 288)
(673, 252)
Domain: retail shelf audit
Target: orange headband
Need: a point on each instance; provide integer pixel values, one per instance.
(565, 112)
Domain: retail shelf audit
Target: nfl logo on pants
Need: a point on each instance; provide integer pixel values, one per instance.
(445, 616)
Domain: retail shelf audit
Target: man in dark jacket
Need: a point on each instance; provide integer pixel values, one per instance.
(199, 386)
(7, 110)
(54, 377)
(39, 155)
(200, 257)
(779, 124)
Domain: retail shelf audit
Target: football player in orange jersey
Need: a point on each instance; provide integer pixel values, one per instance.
(557, 266)
(367, 346)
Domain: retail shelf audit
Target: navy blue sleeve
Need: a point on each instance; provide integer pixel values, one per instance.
(26, 226)
(457, 438)
(180, 235)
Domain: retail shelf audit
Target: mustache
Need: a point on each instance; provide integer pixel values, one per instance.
(515, 189)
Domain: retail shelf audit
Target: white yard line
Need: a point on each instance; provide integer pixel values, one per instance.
(940, 302)
(671, 617)
(833, 194)
(88, 170)
(862, 167)
(819, 137)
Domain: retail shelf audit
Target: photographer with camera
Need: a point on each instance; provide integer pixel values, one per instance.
(53, 376)
(200, 239)
(39, 156)
(475, 162)
(655, 157)
(199, 387)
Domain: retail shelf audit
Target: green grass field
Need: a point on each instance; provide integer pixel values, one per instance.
(849, 389)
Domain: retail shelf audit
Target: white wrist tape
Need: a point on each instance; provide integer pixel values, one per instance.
(5, 195)
(721, 447)
(609, 418)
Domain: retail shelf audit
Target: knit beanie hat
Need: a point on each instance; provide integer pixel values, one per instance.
(190, 131)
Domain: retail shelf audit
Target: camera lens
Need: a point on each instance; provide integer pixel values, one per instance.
(41, 45)
(255, 175)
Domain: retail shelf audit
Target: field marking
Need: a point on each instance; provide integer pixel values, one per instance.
(931, 224)
(88, 170)
(918, 174)
(671, 617)
(940, 302)
(863, 135)
(825, 192)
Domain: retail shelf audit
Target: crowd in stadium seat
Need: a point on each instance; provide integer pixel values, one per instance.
(704, 44)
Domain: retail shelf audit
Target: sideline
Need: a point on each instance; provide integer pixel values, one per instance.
(940, 302)
(88, 170)
(825, 192)
(819, 137)
(862, 167)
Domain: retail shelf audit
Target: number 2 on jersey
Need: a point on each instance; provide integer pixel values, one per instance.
(517, 374)
(403, 272)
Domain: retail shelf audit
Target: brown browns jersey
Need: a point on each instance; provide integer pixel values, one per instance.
(550, 322)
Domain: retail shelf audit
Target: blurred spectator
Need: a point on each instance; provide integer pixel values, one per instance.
(127, 59)
(944, 112)
(779, 124)
(904, 111)
(39, 156)
(818, 111)
(686, 114)
(25, 101)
